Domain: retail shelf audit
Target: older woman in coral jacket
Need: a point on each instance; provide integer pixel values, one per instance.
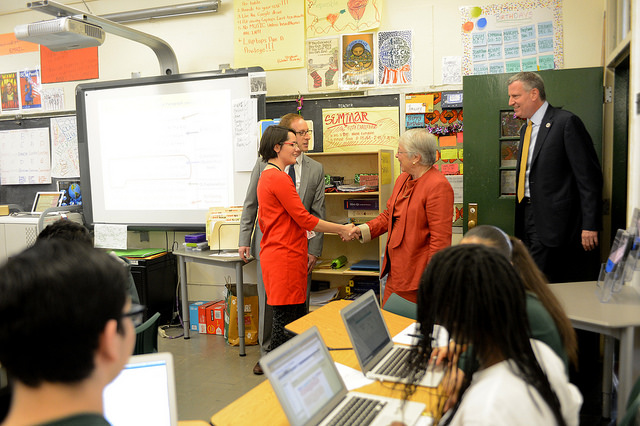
(418, 216)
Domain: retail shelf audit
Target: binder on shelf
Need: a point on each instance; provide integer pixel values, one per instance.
(366, 265)
(361, 204)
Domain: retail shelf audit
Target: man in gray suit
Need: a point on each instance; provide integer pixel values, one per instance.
(309, 180)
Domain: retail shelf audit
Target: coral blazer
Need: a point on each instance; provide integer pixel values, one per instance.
(421, 230)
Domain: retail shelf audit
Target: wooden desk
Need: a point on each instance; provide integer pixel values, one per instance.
(620, 319)
(209, 258)
(261, 406)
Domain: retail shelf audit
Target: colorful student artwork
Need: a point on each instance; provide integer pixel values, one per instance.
(9, 91)
(395, 57)
(334, 17)
(516, 36)
(322, 68)
(357, 60)
(30, 89)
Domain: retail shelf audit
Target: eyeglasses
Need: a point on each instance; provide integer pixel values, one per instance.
(136, 313)
(304, 132)
(294, 144)
(405, 152)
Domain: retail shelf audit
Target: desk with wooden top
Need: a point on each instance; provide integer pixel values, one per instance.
(260, 405)
(619, 318)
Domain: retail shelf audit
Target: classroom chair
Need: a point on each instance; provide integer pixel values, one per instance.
(632, 416)
(401, 306)
(147, 336)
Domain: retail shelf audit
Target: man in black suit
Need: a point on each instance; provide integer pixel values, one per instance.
(559, 185)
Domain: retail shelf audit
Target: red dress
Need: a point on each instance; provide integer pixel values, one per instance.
(283, 221)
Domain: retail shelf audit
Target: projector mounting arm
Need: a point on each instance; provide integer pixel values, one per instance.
(164, 52)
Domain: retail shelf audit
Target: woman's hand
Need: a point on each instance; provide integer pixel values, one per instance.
(346, 232)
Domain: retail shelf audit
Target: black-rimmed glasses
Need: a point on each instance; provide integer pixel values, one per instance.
(304, 132)
(136, 313)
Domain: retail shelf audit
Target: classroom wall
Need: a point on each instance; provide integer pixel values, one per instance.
(204, 42)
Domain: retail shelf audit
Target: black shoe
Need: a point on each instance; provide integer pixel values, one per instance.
(257, 370)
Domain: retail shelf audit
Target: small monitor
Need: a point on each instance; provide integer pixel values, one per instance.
(45, 200)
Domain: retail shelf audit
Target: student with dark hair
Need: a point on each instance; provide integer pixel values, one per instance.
(59, 373)
(547, 318)
(284, 223)
(72, 231)
(476, 294)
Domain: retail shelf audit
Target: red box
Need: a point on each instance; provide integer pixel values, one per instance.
(215, 318)
(202, 317)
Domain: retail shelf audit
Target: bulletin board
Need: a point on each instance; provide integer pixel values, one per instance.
(23, 195)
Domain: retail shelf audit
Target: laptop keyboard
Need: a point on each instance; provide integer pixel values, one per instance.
(359, 411)
(395, 363)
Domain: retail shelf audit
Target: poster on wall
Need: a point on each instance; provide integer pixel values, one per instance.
(518, 36)
(268, 33)
(9, 91)
(334, 17)
(360, 129)
(395, 63)
(358, 56)
(30, 89)
(322, 64)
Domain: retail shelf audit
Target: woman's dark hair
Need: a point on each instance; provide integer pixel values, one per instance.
(533, 279)
(272, 136)
(476, 294)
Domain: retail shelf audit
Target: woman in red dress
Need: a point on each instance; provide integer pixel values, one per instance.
(285, 225)
(418, 217)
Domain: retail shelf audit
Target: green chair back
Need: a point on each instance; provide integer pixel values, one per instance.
(401, 306)
(147, 336)
(632, 416)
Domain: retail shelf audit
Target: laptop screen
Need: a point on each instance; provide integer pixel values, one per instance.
(45, 200)
(304, 377)
(143, 393)
(366, 325)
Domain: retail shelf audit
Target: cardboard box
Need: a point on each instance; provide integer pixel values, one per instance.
(202, 317)
(4, 210)
(193, 314)
(215, 318)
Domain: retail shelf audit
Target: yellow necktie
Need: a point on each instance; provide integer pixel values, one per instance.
(524, 154)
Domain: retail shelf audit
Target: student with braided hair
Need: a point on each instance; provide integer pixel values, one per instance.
(476, 294)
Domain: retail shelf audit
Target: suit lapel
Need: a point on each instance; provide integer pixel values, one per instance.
(545, 126)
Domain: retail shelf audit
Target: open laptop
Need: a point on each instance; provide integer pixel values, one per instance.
(379, 358)
(311, 391)
(144, 393)
(45, 200)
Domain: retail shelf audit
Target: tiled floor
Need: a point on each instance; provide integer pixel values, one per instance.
(209, 373)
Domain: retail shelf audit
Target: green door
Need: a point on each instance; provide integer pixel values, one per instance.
(491, 136)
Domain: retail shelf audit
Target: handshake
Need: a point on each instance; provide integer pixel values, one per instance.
(349, 232)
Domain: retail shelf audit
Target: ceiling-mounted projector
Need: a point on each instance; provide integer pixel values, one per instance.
(61, 34)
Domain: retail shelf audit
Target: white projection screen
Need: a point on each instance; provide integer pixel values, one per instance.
(157, 152)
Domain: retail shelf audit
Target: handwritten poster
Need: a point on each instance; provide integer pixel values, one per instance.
(10, 45)
(360, 129)
(525, 35)
(269, 33)
(333, 17)
(24, 157)
(64, 147)
(69, 65)
(245, 133)
(322, 64)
